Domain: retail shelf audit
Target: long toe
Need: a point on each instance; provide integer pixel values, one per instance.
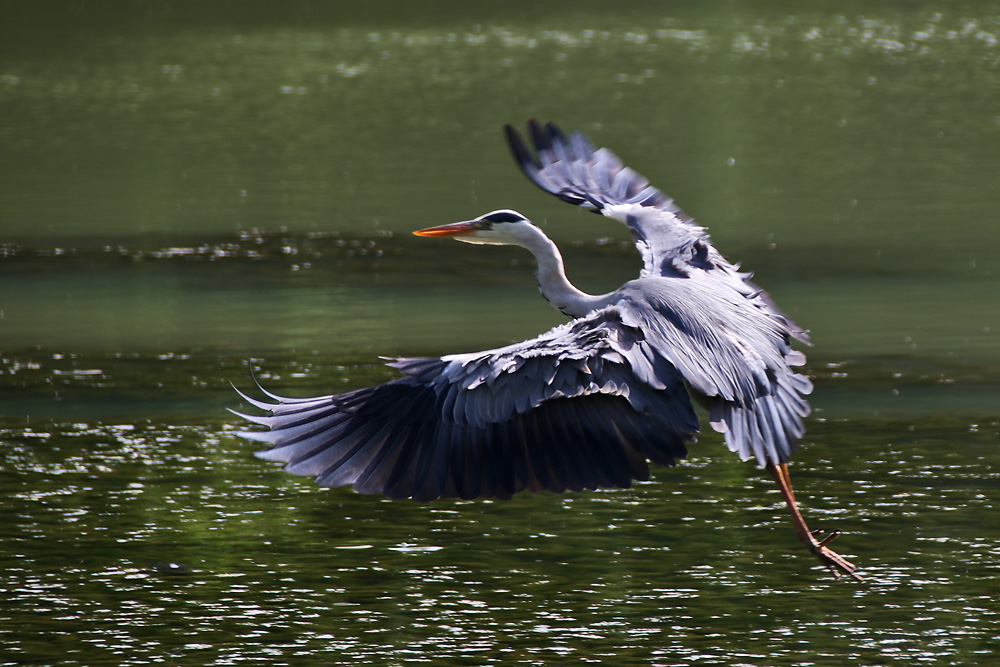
(830, 558)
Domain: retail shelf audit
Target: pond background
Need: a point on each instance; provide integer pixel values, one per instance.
(187, 188)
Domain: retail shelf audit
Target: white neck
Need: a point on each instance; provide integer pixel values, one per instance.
(551, 276)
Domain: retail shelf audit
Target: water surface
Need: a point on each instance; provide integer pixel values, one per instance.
(187, 191)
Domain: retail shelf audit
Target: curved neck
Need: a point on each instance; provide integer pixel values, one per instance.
(551, 277)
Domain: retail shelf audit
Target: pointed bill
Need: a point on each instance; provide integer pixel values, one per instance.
(454, 229)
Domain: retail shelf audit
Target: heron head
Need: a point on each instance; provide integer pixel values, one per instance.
(503, 227)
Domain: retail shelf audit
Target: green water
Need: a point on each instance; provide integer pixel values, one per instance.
(186, 188)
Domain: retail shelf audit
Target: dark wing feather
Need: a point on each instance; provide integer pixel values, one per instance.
(582, 406)
(670, 243)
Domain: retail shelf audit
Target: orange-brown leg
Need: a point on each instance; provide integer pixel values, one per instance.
(837, 564)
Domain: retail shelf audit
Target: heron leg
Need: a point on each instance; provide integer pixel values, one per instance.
(837, 563)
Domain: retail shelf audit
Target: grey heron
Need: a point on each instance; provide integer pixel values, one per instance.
(591, 402)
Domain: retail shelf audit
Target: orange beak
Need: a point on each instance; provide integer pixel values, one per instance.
(454, 229)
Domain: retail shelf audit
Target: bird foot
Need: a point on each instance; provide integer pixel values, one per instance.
(836, 563)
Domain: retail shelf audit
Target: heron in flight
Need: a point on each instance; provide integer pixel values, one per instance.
(591, 402)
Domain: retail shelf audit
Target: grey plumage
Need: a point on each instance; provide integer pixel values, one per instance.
(668, 240)
(588, 403)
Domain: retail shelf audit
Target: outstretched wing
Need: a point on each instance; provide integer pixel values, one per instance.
(670, 243)
(584, 405)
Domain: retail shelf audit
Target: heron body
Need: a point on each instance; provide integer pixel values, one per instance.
(588, 403)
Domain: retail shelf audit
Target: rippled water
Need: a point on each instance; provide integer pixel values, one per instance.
(137, 543)
(187, 191)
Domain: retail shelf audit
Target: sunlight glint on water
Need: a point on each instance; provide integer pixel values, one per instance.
(184, 196)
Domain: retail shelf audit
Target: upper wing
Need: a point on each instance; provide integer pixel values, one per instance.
(670, 243)
(595, 179)
(581, 406)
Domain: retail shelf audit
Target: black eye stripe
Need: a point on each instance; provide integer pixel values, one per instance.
(502, 216)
